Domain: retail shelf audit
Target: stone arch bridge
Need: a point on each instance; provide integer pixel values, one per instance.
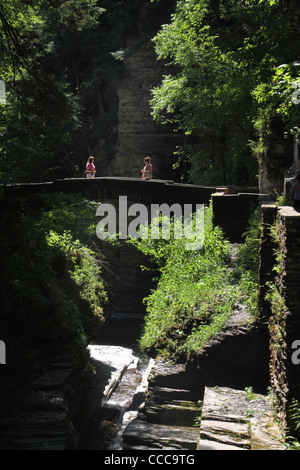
(231, 205)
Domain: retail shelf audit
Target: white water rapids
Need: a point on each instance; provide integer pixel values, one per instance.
(120, 386)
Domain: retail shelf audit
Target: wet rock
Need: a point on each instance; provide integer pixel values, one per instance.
(163, 408)
(231, 432)
(44, 418)
(168, 417)
(110, 362)
(142, 434)
(230, 421)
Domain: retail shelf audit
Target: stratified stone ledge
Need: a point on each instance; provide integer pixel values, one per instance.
(230, 421)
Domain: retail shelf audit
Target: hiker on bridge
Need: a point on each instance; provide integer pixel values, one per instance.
(90, 170)
(147, 170)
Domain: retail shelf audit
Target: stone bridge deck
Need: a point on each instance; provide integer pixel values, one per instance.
(136, 189)
(232, 206)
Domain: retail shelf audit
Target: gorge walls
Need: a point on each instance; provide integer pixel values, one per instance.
(137, 135)
(279, 281)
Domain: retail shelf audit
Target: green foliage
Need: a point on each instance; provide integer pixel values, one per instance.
(25, 26)
(285, 92)
(278, 101)
(77, 14)
(52, 292)
(249, 394)
(292, 439)
(197, 289)
(223, 56)
(294, 410)
(43, 112)
(194, 294)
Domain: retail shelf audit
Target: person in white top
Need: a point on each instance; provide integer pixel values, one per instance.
(296, 193)
(147, 170)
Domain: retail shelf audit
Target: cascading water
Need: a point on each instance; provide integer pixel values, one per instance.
(120, 383)
(121, 368)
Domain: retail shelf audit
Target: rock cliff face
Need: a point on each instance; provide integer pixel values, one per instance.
(138, 135)
(44, 415)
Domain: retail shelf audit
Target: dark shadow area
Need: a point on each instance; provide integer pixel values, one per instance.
(238, 361)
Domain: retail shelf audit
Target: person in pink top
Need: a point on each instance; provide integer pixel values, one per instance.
(90, 170)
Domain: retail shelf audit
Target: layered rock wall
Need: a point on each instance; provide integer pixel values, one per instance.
(45, 415)
(138, 135)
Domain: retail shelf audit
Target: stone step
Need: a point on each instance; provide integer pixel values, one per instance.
(164, 394)
(142, 434)
(231, 421)
(214, 445)
(180, 413)
(171, 406)
(232, 433)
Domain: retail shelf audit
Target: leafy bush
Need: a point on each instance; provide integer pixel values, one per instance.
(194, 294)
(51, 287)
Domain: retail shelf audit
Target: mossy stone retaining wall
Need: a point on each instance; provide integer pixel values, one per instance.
(280, 301)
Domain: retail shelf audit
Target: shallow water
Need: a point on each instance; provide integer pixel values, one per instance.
(122, 371)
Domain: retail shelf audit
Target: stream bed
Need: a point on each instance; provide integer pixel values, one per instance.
(138, 403)
(120, 383)
(142, 404)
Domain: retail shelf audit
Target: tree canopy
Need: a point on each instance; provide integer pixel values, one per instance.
(55, 57)
(232, 69)
(225, 61)
(42, 107)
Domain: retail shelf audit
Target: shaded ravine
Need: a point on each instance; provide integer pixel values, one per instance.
(138, 403)
(115, 408)
(141, 404)
(121, 368)
(120, 383)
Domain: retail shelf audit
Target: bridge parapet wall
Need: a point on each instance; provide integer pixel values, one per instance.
(136, 189)
(231, 206)
(231, 212)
